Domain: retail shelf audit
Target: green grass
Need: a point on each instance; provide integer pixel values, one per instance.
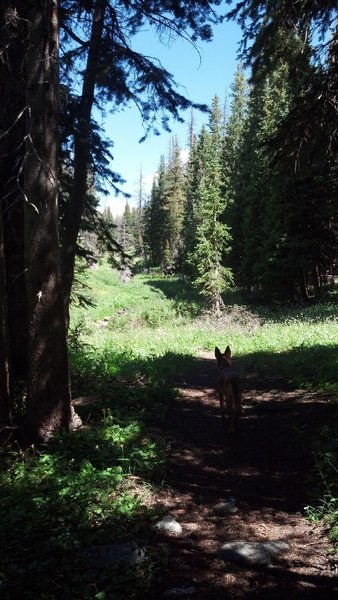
(153, 317)
(94, 487)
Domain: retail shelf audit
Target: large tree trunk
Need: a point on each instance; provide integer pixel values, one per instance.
(81, 152)
(5, 406)
(48, 393)
(13, 43)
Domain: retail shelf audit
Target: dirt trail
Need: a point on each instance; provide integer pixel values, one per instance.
(264, 466)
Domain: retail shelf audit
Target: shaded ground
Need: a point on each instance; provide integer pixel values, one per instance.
(264, 466)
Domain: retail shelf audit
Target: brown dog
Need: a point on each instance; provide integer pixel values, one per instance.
(228, 388)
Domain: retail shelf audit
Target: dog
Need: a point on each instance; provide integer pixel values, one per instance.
(228, 388)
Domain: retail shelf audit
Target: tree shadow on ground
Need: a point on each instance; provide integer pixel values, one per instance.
(187, 299)
(181, 293)
(265, 466)
(277, 414)
(304, 365)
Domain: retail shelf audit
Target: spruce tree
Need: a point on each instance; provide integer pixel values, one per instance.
(125, 231)
(252, 181)
(302, 150)
(190, 221)
(231, 161)
(211, 277)
(154, 219)
(173, 199)
(140, 221)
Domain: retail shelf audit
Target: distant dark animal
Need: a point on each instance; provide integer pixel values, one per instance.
(169, 270)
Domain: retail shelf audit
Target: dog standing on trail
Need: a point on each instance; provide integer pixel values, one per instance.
(228, 388)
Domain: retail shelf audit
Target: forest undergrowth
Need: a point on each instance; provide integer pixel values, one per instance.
(95, 487)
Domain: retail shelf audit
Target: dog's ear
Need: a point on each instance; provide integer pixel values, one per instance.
(227, 352)
(218, 353)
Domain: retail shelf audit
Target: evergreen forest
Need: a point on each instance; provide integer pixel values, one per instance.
(242, 211)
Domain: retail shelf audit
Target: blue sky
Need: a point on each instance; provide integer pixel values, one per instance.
(200, 75)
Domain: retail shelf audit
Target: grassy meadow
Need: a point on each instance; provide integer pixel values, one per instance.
(132, 327)
(94, 487)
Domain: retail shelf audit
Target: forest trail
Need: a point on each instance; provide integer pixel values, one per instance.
(264, 466)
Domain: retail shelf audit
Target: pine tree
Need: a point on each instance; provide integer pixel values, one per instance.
(125, 231)
(173, 200)
(310, 184)
(164, 214)
(107, 215)
(302, 158)
(236, 121)
(212, 236)
(190, 221)
(231, 162)
(140, 221)
(252, 181)
(155, 217)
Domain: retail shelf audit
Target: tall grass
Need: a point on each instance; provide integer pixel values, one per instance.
(150, 317)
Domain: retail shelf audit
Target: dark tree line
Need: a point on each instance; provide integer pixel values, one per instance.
(300, 235)
(260, 205)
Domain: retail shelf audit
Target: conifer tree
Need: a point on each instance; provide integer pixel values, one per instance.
(190, 221)
(155, 217)
(302, 152)
(252, 182)
(231, 161)
(310, 183)
(164, 215)
(125, 235)
(212, 236)
(173, 200)
(98, 38)
(236, 121)
(107, 215)
(140, 221)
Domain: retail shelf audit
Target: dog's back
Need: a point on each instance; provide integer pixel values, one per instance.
(228, 387)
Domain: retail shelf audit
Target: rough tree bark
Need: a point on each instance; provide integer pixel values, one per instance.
(48, 393)
(13, 37)
(5, 406)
